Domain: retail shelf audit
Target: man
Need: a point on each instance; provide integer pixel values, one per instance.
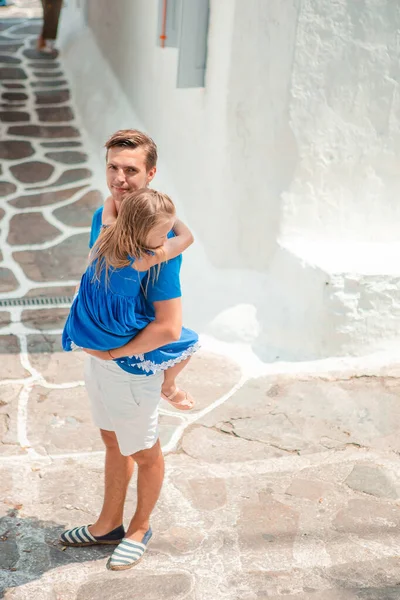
(131, 165)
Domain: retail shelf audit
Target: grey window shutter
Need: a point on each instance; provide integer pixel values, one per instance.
(193, 43)
(173, 22)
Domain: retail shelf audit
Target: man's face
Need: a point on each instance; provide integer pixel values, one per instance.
(126, 172)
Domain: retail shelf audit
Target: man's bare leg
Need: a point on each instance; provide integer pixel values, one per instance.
(118, 473)
(149, 483)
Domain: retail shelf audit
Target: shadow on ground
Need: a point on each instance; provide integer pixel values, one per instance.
(29, 548)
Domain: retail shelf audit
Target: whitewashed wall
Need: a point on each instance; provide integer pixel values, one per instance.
(286, 165)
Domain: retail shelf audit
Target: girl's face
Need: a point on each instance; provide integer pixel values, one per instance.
(158, 234)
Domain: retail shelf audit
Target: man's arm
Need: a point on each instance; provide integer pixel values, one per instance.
(165, 328)
(94, 233)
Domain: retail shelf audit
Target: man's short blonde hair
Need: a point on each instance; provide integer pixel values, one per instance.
(132, 138)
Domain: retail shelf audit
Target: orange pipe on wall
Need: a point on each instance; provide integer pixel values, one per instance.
(163, 35)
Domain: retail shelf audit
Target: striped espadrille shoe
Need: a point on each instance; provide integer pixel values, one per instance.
(81, 536)
(128, 553)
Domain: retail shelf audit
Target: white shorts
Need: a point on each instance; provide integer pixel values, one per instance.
(124, 403)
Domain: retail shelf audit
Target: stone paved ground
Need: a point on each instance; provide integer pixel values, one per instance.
(281, 486)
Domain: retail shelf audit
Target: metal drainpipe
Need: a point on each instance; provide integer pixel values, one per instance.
(163, 35)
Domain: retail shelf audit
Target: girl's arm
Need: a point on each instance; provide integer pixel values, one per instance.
(109, 215)
(174, 246)
(171, 248)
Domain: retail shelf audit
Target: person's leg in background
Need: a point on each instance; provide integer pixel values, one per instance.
(51, 17)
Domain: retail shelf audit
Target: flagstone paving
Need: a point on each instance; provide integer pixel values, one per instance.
(278, 486)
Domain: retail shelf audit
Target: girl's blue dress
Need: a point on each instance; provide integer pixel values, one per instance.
(106, 315)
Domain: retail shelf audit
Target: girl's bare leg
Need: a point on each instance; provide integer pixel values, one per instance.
(179, 399)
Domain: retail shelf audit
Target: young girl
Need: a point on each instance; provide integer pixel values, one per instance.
(110, 307)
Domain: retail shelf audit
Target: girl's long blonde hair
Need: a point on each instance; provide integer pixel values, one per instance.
(126, 239)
